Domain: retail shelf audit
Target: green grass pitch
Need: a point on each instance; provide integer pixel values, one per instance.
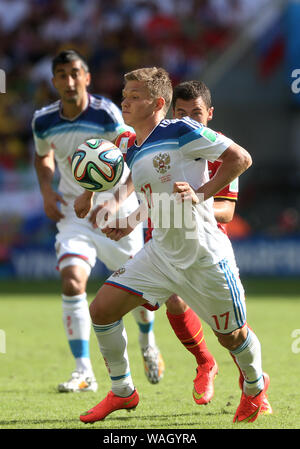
(37, 358)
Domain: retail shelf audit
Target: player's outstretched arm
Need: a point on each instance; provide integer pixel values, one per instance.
(124, 190)
(235, 160)
(119, 228)
(224, 210)
(45, 168)
(83, 203)
(102, 213)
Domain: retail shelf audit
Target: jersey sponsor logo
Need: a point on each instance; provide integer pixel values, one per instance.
(161, 163)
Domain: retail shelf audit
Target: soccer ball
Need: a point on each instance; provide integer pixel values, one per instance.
(97, 165)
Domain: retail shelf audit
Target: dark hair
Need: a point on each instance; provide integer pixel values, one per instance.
(66, 56)
(190, 90)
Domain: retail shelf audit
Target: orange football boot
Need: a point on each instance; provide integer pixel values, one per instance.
(250, 407)
(266, 408)
(108, 405)
(204, 385)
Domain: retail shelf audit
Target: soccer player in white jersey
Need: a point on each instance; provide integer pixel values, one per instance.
(193, 99)
(58, 129)
(194, 260)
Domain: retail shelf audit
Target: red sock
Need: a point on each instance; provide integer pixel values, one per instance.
(188, 329)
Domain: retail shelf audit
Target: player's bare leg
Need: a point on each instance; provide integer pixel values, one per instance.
(188, 329)
(107, 310)
(77, 324)
(245, 347)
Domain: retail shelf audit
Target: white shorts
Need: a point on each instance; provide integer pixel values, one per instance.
(77, 238)
(215, 292)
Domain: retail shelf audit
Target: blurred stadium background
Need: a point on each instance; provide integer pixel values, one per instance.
(246, 52)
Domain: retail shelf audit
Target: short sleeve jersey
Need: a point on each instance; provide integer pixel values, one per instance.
(168, 155)
(52, 131)
(230, 192)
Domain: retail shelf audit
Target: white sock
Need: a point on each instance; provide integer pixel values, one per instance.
(112, 339)
(248, 357)
(145, 320)
(77, 324)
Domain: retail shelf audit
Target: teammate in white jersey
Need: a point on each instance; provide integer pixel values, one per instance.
(58, 129)
(194, 259)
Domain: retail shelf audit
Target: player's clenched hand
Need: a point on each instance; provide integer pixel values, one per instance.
(51, 198)
(103, 213)
(93, 215)
(184, 192)
(119, 230)
(83, 204)
(100, 215)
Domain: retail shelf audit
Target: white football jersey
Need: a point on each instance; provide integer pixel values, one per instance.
(178, 150)
(52, 131)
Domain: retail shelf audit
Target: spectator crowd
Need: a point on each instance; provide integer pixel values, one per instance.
(115, 36)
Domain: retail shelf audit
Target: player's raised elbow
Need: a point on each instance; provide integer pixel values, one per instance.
(237, 158)
(242, 157)
(246, 159)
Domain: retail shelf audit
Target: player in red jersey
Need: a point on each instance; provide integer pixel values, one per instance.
(193, 99)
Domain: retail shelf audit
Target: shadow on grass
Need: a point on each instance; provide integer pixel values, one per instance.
(121, 419)
(20, 286)
(23, 422)
(273, 287)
